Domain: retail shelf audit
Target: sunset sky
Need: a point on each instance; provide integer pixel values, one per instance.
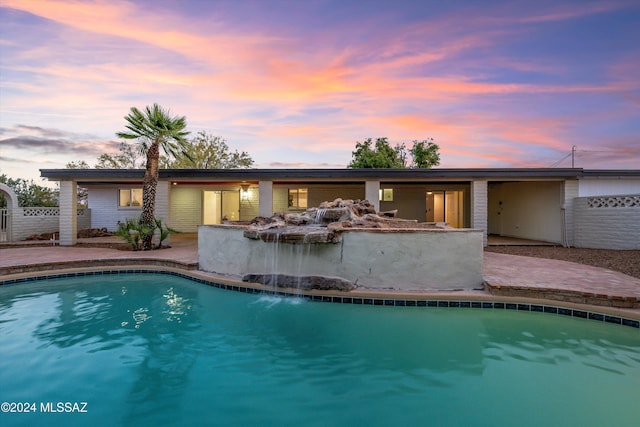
(297, 83)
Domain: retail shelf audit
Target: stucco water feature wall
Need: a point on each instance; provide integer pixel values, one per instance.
(403, 259)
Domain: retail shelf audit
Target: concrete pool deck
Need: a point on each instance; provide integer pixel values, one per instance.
(507, 277)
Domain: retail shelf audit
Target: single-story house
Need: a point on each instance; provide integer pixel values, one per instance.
(570, 206)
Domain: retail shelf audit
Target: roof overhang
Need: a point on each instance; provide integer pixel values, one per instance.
(329, 175)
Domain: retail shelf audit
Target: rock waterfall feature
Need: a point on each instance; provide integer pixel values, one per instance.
(341, 245)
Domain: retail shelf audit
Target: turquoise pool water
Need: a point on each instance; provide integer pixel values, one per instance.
(161, 350)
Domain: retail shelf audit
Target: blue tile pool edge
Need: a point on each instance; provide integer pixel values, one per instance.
(357, 300)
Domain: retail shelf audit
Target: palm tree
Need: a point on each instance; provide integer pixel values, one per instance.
(155, 129)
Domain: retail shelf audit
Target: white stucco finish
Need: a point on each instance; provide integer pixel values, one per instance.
(420, 260)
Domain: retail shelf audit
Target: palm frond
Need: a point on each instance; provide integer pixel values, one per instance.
(154, 125)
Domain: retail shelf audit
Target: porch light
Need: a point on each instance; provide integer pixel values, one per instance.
(244, 191)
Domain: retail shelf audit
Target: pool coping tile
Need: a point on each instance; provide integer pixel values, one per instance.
(364, 301)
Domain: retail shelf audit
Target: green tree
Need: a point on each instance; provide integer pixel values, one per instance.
(207, 151)
(425, 154)
(29, 193)
(154, 129)
(128, 158)
(380, 155)
(77, 164)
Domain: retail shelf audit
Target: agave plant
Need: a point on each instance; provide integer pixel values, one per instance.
(165, 231)
(133, 231)
(129, 230)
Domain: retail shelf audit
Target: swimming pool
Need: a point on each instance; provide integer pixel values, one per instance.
(150, 349)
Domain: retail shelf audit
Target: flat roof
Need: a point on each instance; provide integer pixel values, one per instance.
(186, 175)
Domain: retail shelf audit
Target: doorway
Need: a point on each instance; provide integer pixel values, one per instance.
(220, 206)
(445, 206)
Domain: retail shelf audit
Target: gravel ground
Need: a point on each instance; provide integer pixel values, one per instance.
(627, 262)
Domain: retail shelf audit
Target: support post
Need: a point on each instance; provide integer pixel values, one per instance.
(68, 225)
(265, 198)
(570, 191)
(372, 193)
(479, 207)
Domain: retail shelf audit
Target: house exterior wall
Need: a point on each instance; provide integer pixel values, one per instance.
(185, 210)
(527, 210)
(186, 205)
(607, 222)
(317, 193)
(179, 206)
(250, 204)
(103, 202)
(604, 187)
(532, 209)
(410, 199)
(281, 198)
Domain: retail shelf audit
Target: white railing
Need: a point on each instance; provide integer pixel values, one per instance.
(632, 201)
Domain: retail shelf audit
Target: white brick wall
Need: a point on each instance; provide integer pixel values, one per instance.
(570, 192)
(479, 206)
(605, 227)
(68, 217)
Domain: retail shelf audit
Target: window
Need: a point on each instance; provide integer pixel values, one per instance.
(386, 195)
(130, 197)
(298, 198)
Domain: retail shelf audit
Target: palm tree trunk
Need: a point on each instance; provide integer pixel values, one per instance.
(149, 195)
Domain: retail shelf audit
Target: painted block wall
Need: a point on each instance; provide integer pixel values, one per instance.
(605, 227)
(24, 226)
(105, 213)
